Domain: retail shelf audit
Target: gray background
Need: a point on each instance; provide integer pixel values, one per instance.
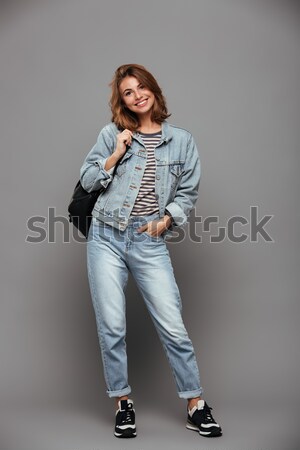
(230, 73)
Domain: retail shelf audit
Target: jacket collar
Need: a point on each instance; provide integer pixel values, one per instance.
(166, 131)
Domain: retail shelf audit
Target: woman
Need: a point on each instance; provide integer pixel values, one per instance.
(149, 172)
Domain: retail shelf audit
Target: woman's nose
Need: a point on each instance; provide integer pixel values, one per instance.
(137, 95)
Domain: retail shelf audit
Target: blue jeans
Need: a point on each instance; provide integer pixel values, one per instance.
(111, 254)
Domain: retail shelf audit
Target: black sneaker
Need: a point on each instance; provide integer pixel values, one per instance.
(200, 419)
(125, 420)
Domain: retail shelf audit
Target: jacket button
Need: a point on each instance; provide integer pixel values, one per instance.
(157, 177)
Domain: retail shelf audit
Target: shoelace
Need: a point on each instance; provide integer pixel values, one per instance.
(127, 416)
(208, 416)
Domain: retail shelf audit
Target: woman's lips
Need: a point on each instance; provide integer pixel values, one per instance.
(141, 104)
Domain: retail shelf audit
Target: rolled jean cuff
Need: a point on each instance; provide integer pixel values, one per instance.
(119, 393)
(191, 394)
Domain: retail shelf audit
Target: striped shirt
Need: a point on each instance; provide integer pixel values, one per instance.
(146, 202)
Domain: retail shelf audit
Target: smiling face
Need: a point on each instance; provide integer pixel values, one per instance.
(136, 97)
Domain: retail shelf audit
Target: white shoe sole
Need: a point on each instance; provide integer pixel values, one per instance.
(214, 433)
(127, 433)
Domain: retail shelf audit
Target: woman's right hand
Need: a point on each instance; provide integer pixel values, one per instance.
(124, 138)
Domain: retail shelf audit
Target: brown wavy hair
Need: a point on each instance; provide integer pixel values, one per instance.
(121, 115)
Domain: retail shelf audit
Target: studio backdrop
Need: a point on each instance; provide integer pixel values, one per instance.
(230, 73)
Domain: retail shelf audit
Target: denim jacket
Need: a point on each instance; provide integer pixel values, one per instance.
(177, 176)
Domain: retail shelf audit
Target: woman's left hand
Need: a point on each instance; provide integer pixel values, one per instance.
(156, 227)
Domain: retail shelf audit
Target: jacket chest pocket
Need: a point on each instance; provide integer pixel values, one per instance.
(176, 168)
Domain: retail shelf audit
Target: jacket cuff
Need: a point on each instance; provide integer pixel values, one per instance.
(107, 176)
(179, 217)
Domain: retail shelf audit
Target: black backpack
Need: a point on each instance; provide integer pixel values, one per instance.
(81, 206)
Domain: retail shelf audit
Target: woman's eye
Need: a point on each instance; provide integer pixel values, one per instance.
(128, 93)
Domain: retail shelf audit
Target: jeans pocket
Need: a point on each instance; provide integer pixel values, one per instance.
(97, 224)
(154, 238)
